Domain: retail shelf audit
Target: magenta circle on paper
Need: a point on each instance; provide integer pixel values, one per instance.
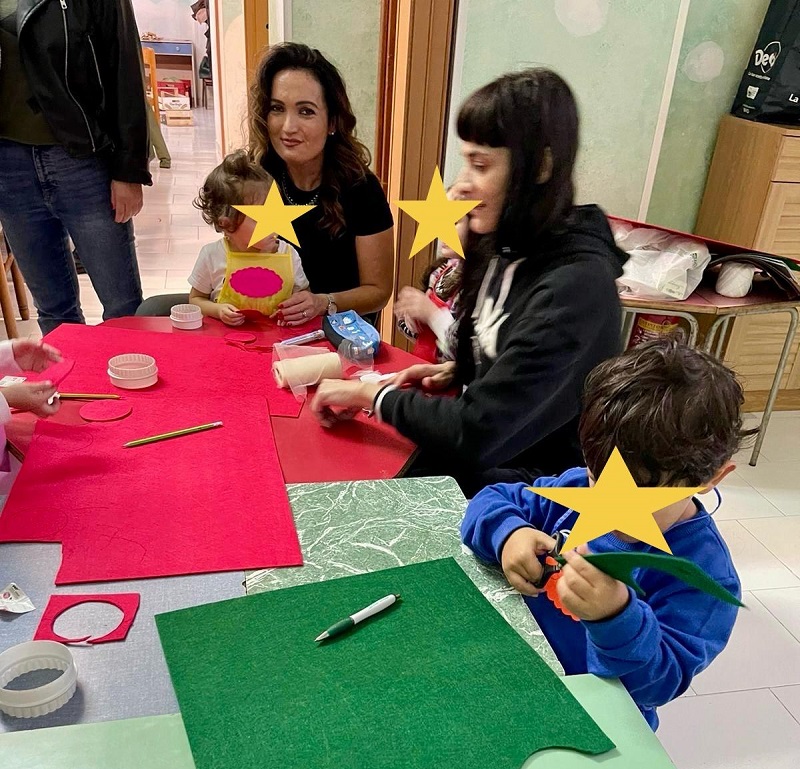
(105, 411)
(256, 282)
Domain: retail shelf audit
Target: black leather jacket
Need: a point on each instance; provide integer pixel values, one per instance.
(83, 61)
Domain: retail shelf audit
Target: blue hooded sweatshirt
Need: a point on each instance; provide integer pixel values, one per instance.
(657, 644)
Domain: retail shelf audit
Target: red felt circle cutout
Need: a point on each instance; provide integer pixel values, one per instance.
(105, 411)
(244, 337)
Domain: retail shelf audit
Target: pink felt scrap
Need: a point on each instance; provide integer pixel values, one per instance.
(105, 411)
(212, 501)
(56, 373)
(127, 603)
(245, 337)
(188, 366)
(256, 282)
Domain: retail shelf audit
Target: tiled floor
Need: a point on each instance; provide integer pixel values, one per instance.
(169, 230)
(744, 712)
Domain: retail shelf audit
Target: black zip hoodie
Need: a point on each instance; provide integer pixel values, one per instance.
(542, 322)
(82, 59)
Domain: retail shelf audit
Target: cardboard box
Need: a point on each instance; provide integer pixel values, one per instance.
(178, 117)
(173, 103)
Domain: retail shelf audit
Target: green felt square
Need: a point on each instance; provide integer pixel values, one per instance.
(439, 680)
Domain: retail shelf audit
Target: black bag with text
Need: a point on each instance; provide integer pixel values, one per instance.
(770, 87)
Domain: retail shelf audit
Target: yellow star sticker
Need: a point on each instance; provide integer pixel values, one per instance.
(616, 503)
(273, 216)
(437, 216)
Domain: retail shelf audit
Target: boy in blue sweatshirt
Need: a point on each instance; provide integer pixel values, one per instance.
(674, 414)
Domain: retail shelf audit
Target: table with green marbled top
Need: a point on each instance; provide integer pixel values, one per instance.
(362, 526)
(352, 528)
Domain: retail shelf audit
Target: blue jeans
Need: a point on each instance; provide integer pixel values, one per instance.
(47, 196)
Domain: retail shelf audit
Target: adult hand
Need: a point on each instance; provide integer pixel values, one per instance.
(413, 304)
(337, 400)
(202, 16)
(300, 307)
(229, 315)
(519, 558)
(34, 356)
(33, 397)
(431, 376)
(587, 592)
(127, 200)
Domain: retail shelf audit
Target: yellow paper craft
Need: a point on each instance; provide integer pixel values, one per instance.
(257, 281)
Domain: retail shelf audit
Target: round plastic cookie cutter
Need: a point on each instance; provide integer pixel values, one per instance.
(40, 700)
(186, 316)
(133, 371)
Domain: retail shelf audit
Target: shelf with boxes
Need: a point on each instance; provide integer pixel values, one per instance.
(752, 198)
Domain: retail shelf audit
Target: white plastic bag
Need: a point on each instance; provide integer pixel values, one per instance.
(660, 265)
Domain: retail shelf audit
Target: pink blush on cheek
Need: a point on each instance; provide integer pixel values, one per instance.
(256, 282)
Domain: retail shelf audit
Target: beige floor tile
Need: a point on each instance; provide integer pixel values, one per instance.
(781, 536)
(740, 730)
(758, 568)
(761, 653)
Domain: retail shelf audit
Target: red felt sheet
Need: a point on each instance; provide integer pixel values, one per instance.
(197, 366)
(207, 502)
(360, 450)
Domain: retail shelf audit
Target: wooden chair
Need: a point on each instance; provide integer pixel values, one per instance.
(207, 83)
(151, 75)
(6, 305)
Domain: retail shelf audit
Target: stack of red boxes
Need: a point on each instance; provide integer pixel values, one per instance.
(180, 87)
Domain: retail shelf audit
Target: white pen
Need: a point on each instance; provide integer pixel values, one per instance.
(351, 621)
(313, 336)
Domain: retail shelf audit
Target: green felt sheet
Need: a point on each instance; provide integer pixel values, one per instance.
(622, 565)
(439, 680)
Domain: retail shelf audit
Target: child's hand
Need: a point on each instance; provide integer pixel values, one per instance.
(414, 304)
(33, 397)
(587, 592)
(34, 356)
(519, 558)
(229, 315)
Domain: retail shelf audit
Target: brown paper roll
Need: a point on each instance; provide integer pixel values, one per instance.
(307, 371)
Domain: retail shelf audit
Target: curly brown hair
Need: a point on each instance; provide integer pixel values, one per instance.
(346, 159)
(236, 180)
(673, 412)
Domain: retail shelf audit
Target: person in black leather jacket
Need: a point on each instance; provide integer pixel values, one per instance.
(74, 149)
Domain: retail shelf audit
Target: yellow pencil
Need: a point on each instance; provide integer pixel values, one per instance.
(174, 434)
(88, 397)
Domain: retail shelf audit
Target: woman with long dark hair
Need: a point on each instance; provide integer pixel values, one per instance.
(302, 130)
(539, 309)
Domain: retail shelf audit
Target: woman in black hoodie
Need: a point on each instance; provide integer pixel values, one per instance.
(539, 304)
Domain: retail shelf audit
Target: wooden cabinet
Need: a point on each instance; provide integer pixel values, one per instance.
(752, 199)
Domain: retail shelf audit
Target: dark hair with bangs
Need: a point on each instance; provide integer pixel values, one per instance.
(532, 113)
(674, 413)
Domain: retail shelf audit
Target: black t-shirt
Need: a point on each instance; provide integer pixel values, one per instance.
(331, 264)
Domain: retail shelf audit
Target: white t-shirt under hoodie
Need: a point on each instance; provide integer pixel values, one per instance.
(209, 270)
